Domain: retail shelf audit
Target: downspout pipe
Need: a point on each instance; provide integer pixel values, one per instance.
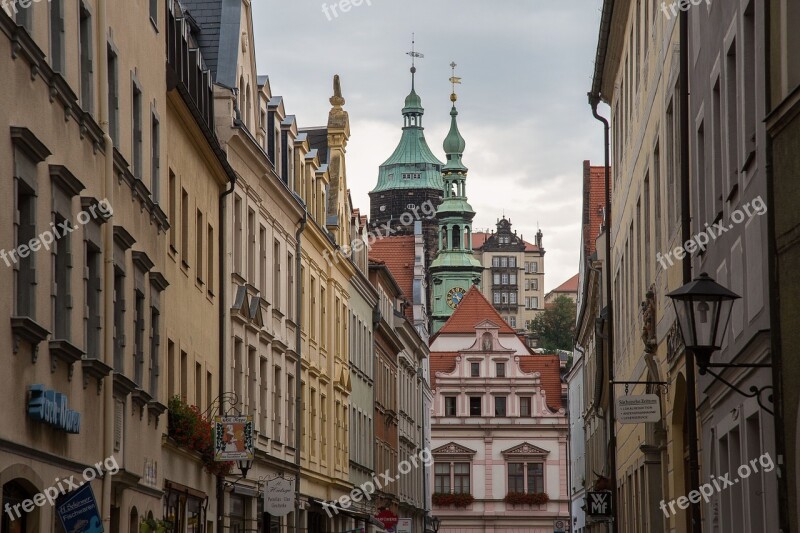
(108, 257)
(298, 379)
(223, 338)
(686, 234)
(594, 101)
(775, 300)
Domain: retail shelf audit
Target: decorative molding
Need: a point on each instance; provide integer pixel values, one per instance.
(66, 180)
(525, 449)
(142, 261)
(94, 368)
(158, 281)
(123, 238)
(27, 329)
(454, 449)
(123, 386)
(65, 351)
(26, 140)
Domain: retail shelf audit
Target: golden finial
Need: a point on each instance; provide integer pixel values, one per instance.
(454, 79)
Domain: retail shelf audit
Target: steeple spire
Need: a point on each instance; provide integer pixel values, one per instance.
(454, 143)
(413, 109)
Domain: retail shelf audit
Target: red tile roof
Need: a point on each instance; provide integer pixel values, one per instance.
(472, 310)
(442, 362)
(594, 201)
(479, 239)
(571, 285)
(397, 253)
(549, 367)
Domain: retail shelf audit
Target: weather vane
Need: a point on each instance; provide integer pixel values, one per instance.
(454, 79)
(414, 54)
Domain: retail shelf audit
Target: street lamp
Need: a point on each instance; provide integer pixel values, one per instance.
(704, 309)
(244, 466)
(435, 523)
(702, 306)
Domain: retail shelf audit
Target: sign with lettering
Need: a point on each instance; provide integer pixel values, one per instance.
(387, 518)
(52, 408)
(638, 409)
(233, 438)
(78, 511)
(279, 497)
(404, 525)
(598, 504)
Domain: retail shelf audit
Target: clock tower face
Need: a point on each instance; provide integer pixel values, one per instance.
(454, 296)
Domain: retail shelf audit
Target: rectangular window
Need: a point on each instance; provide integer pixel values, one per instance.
(137, 131)
(184, 376)
(185, 227)
(154, 12)
(535, 301)
(512, 321)
(237, 235)
(496, 279)
(251, 245)
(501, 370)
(525, 406)
(198, 385)
(171, 368)
(441, 478)
(504, 279)
(276, 274)
(57, 35)
(461, 478)
(503, 297)
(512, 278)
(290, 296)
(512, 298)
(290, 393)
(26, 230)
(499, 406)
(516, 477)
(199, 244)
(504, 261)
(535, 478)
(495, 261)
(535, 266)
(93, 301)
(210, 254)
(732, 115)
(535, 284)
(113, 96)
(62, 269)
(119, 320)
(450, 406)
(155, 159)
(277, 398)
(512, 262)
(475, 406)
(138, 338)
(173, 211)
(496, 298)
(87, 68)
(475, 370)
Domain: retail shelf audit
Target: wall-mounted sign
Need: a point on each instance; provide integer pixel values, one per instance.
(233, 438)
(598, 504)
(404, 525)
(78, 511)
(388, 519)
(52, 408)
(279, 497)
(638, 409)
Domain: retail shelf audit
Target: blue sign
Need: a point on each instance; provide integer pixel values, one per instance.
(51, 407)
(78, 511)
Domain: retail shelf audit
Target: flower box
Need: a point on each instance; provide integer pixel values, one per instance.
(524, 498)
(445, 499)
(190, 429)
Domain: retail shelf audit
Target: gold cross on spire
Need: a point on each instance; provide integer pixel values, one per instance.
(454, 79)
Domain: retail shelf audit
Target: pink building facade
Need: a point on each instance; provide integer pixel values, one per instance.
(499, 431)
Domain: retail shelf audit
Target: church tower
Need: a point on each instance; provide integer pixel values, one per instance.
(409, 182)
(455, 268)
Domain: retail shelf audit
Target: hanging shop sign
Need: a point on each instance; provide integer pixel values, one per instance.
(598, 504)
(279, 497)
(638, 409)
(404, 525)
(233, 438)
(52, 408)
(388, 519)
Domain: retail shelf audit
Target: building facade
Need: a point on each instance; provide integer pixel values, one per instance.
(513, 273)
(728, 184)
(499, 432)
(783, 78)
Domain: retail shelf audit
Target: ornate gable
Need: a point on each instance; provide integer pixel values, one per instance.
(525, 450)
(452, 450)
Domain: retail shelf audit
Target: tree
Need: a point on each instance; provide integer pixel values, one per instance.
(555, 326)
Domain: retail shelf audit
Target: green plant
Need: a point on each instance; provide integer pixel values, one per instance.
(463, 499)
(524, 498)
(191, 429)
(152, 525)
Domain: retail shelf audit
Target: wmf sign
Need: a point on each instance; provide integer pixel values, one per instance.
(598, 504)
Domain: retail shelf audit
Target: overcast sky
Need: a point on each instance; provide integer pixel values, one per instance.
(526, 67)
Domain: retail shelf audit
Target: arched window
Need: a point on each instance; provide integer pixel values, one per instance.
(445, 243)
(456, 238)
(134, 521)
(15, 492)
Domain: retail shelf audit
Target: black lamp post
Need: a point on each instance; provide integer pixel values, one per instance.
(435, 523)
(244, 466)
(703, 307)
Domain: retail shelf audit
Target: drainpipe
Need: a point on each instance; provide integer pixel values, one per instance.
(223, 338)
(298, 381)
(774, 303)
(108, 259)
(594, 100)
(686, 233)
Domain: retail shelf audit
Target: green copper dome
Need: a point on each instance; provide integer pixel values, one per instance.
(454, 143)
(412, 165)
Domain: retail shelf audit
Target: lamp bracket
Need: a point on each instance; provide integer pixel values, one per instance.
(755, 392)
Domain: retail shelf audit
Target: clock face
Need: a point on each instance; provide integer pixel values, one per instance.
(454, 296)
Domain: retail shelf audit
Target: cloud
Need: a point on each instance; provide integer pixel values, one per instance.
(526, 67)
